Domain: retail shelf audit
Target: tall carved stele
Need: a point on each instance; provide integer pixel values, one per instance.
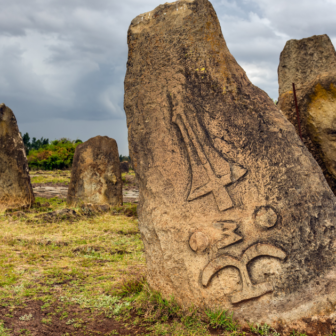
(234, 212)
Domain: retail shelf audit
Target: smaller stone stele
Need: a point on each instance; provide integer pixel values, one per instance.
(15, 187)
(310, 64)
(124, 166)
(302, 60)
(95, 174)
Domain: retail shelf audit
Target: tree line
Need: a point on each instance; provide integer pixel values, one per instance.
(57, 154)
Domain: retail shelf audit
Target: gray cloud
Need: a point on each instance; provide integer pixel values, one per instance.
(63, 62)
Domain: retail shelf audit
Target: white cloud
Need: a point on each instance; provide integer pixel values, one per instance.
(257, 37)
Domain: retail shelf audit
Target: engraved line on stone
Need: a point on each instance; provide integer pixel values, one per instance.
(230, 236)
(216, 185)
(265, 217)
(249, 291)
(198, 242)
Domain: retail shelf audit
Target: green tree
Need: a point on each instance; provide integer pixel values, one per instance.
(124, 158)
(56, 155)
(35, 144)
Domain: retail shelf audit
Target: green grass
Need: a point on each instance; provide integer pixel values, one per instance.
(53, 176)
(62, 176)
(95, 263)
(221, 319)
(264, 329)
(4, 331)
(94, 253)
(294, 333)
(55, 202)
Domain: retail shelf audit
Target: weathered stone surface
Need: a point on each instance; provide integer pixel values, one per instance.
(234, 211)
(310, 63)
(15, 186)
(95, 174)
(302, 60)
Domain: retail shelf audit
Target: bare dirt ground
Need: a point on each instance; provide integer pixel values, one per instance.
(36, 320)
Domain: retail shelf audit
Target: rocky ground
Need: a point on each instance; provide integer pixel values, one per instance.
(49, 184)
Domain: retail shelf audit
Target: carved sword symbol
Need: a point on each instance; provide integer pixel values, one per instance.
(216, 183)
(249, 291)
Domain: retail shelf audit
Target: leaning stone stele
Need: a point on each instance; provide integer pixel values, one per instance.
(95, 174)
(15, 187)
(310, 63)
(234, 211)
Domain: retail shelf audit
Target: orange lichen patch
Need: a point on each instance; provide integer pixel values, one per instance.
(285, 99)
(320, 93)
(322, 123)
(321, 110)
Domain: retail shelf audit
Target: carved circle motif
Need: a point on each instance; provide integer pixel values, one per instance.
(199, 242)
(266, 217)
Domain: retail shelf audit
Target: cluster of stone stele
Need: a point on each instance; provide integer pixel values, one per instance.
(236, 212)
(95, 175)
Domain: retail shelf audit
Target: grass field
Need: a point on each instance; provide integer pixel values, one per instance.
(52, 176)
(84, 274)
(61, 176)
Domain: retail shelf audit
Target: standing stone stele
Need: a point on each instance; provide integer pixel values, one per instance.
(234, 212)
(15, 187)
(95, 174)
(310, 64)
(124, 167)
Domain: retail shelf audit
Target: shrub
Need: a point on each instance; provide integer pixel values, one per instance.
(58, 155)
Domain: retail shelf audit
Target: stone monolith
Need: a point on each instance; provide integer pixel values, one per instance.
(15, 187)
(310, 63)
(124, 167)
(95, 174)
(302, 60)
(234, 212)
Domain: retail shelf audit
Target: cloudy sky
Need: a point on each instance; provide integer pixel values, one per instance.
(63, 62)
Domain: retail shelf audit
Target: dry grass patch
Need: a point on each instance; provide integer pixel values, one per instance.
(52, 176)
(66, 262)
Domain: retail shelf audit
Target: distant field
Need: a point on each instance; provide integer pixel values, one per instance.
(51, 176)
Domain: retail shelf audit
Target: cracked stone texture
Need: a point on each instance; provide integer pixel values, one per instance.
(15, 186)
(310, 63)
(234, 211)
(95, 174)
